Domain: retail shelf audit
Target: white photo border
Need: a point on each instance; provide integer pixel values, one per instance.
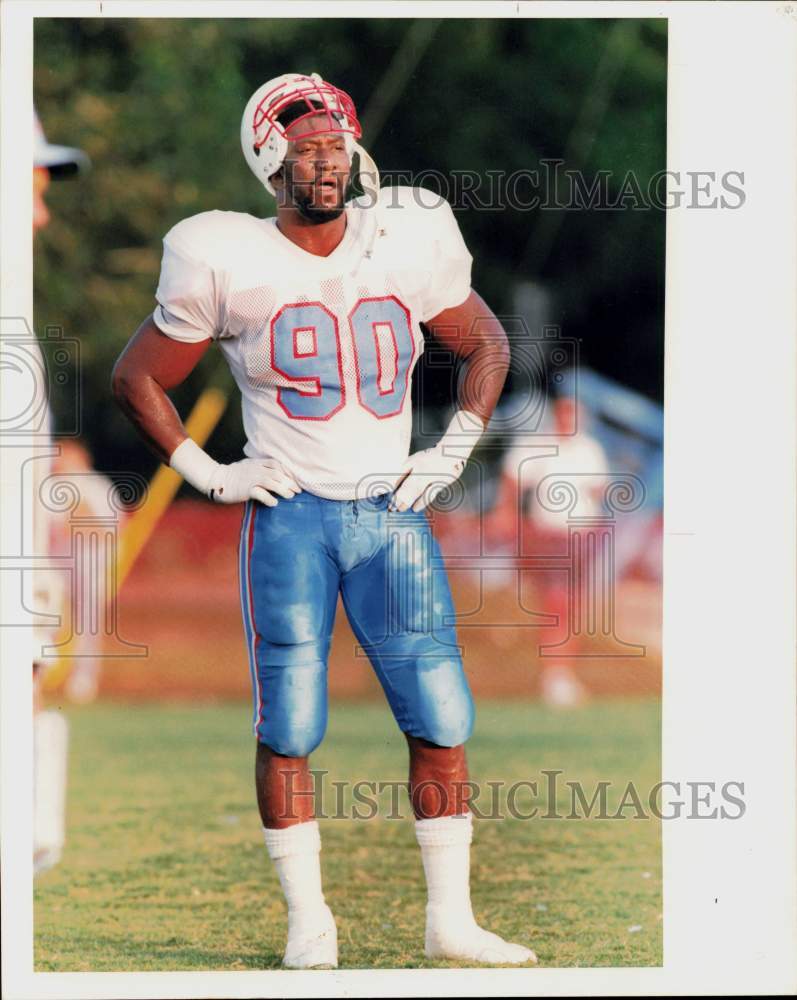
(729, 695)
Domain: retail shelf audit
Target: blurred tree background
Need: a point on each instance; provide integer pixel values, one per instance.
(156, 103)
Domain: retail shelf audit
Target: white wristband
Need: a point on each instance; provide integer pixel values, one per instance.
(462, 434)
(194, 465)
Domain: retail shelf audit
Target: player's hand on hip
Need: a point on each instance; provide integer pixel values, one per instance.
(255, 479)
(425, 475)
(249, 479)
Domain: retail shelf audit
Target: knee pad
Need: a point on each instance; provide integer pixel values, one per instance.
(449, 732)
(290, 742)
(447, 722)
(292, 698)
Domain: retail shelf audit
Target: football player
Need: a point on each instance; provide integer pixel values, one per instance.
(318, 314)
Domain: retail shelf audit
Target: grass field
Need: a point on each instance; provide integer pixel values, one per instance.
(165, 868)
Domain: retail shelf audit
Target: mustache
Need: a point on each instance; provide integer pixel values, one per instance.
(338, 177)
(307, 189)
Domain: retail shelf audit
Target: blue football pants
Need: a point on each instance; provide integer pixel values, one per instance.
(294, 560)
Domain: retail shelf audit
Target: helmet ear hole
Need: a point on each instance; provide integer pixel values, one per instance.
(363, 176)
(353, 187)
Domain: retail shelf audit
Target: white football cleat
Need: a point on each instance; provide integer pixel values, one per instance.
(312, 940)
(462, 938)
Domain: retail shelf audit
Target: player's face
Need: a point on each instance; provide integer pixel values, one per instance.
(41, 214)
(316, 171)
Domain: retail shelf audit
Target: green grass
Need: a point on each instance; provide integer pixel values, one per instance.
(165, 868)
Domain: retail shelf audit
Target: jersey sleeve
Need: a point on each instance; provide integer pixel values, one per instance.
(188, 303)
(449, 277)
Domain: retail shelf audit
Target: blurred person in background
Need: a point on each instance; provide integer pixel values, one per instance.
(50, 731)
(84, 655)
(518, 511)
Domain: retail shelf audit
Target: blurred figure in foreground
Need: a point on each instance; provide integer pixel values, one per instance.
(50, 732)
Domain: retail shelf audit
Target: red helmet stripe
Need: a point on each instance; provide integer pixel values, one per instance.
(333, 99)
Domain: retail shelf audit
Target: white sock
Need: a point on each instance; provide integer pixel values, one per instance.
(296, 853)
(451, 928)
(50, 745)
(445, 851)
(312, 934)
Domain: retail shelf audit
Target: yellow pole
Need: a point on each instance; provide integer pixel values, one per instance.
(165, 484)
(200, 424)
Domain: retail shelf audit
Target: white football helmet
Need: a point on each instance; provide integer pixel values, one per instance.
(277, 104)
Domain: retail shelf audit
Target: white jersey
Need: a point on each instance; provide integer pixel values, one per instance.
(321, 348)
(578, 456)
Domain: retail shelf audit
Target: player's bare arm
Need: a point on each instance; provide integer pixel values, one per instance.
(150, 365)
(146, 370)
(472, 332)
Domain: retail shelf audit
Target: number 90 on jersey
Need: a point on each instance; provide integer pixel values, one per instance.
(306, 348)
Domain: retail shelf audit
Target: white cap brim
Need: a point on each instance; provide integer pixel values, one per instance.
(60, 160)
